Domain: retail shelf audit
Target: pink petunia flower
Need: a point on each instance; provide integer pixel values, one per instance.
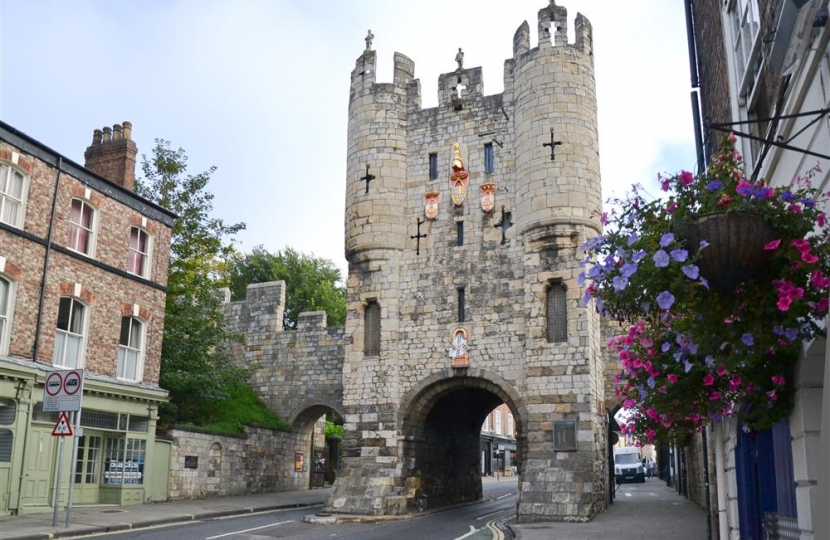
(772, 245)
(708, 379)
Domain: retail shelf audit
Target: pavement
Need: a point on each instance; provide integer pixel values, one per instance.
(641, 511)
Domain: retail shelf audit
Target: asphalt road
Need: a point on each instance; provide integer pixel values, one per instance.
(480, 521)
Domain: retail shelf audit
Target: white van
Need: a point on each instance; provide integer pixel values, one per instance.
(628, 465)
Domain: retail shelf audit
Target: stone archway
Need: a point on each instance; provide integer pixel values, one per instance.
(321, 458)
(441, 422)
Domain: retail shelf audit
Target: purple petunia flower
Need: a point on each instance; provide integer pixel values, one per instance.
(638, 255)
(600, 305)
(748, 340)
(714, 185)
(777, 330)
(650, 382)
(691, 271)
(679, 255)
(594, 272)
(632, 238)
(687, 366)
(628, 270)
(692, 347)
(620, 282)
(666, 346)
(661, 259)
(586, 298)
(787, 196)
(580, 279)
(703, 244)
(704, 282)
(666, 239)
(791, 333)
(665, 300)
(709, 361)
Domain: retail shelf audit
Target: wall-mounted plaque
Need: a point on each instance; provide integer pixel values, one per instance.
(564, 435)
(191, 462)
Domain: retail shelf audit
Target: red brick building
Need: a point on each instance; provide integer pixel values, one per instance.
(83, 274)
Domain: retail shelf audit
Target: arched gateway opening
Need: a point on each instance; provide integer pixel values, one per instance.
(318, 428)
(441, 426)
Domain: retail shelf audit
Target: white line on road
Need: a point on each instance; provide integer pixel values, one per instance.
(472, 531)
(628, 494)
(503, 496)
(488, 515)
(249, 530)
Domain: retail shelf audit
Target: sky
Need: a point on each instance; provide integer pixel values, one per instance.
(260, 88)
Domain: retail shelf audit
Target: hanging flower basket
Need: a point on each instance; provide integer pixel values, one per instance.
(736, 246)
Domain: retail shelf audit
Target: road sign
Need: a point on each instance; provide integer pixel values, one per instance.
(63, 390)
(62, 428)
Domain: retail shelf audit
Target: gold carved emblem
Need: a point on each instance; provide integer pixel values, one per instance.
(488, 196)
(458, 177)
(431, 204)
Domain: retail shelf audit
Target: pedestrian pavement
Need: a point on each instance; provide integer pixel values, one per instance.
(640, 512)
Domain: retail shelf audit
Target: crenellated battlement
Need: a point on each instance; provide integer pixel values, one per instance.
(462, 86)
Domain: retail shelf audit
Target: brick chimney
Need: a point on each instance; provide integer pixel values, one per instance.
(112, 155)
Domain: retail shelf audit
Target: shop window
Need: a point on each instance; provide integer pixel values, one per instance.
(6, 443)
(124, 461)
(8, 409)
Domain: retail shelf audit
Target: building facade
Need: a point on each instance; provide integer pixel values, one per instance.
(463, 228)
(498, 442)
(83, 274)
(760, 69)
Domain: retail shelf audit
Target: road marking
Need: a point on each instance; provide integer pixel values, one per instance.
(472, 531)
(488, 515)
(503, 496)
(497, 534)
(628, 494)
(249, 530)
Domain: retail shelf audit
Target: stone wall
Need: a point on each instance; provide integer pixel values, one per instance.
(211, 465)
(298, 373)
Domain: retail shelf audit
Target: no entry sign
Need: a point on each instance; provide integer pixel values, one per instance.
(62, 390)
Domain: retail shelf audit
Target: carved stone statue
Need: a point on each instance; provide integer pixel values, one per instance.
(369, 37)
(457, 163)
(460, 58)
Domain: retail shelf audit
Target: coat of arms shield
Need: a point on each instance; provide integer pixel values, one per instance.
(431, 204)
(488, 197)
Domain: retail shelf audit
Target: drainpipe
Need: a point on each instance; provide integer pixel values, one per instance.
(720, 472)
(46, 261)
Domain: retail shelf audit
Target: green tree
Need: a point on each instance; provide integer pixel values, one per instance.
(311, 284)
(196, 368)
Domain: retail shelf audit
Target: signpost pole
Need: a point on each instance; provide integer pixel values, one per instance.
(56, 500)
(73, 463)
(75, 436)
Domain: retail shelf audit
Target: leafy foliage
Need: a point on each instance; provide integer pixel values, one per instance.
(311, 284)
(243, 407)
(194, 367)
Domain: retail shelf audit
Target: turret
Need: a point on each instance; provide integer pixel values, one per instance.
(377, 154)
(557, 149)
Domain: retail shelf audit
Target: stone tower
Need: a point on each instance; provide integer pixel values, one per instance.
(462, 238)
